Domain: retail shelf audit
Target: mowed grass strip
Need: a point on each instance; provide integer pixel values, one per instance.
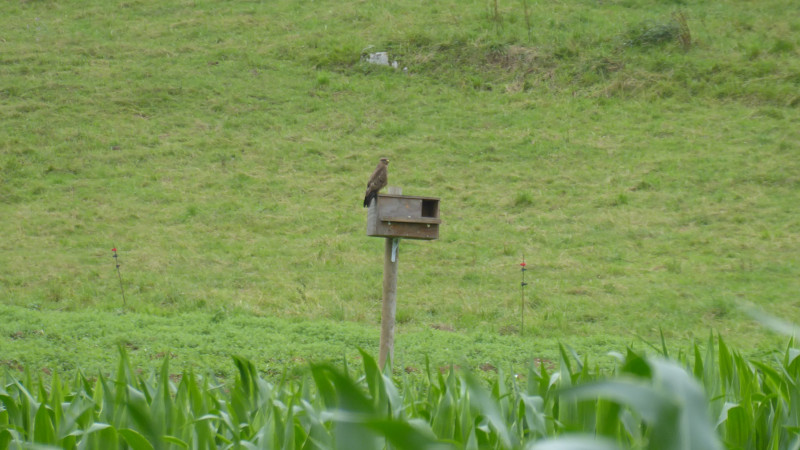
(69, 341)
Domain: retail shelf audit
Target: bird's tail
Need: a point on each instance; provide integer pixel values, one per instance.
(368, 199)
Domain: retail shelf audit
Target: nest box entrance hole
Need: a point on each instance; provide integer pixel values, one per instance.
(430, 208)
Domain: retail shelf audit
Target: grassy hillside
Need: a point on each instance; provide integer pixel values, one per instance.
(642, 155)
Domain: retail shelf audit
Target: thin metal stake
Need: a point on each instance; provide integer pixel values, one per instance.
(119, 275)
(522, 303)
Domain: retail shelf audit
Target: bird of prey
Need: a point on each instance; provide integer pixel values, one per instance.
(377, 181)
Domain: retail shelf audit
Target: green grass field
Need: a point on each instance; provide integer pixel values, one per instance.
(642, 155)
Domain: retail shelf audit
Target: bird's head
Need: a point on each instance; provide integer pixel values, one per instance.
(385, 161)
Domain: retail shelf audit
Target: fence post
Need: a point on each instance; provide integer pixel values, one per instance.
(391, 260)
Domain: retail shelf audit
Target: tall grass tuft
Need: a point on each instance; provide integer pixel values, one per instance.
(684, 33)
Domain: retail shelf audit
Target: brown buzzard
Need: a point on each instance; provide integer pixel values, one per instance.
(377, 181)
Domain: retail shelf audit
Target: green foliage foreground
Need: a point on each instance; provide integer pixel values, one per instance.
(695, 401)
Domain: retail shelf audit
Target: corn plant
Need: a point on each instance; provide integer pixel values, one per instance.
(710, 399)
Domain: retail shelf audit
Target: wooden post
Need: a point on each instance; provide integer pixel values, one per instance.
(389, 295)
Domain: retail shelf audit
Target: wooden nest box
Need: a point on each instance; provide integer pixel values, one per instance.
(404, 216)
